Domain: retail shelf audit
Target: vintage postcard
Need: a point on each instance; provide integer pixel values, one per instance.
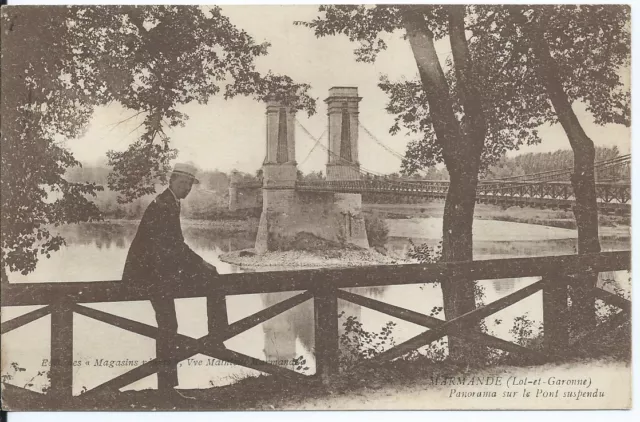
(316, 207)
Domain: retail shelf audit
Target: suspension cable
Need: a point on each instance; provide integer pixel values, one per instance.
(314, 147)
(362, 170)
(388, 149)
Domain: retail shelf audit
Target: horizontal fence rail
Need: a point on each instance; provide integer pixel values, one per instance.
(281, 281)
(325, 286)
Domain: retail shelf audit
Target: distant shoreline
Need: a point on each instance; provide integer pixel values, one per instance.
(612, 227)
(229, 226)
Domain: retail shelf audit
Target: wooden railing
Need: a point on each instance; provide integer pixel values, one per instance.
(325, 286)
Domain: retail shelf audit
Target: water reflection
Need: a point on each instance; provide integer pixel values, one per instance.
(512, 248)
(101, 235)
(282, 331)
(296, 326)
(504, 286)
(119, 235)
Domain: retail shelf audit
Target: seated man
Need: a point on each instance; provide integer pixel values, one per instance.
(160, 260)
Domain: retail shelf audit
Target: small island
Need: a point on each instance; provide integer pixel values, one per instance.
(309, 251)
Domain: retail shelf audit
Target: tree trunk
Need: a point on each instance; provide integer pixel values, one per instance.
(457, 245)
(4, 279)
(582, 179)
(461, 153)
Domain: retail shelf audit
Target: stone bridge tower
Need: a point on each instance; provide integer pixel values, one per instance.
(279, 169)
(342, 162)
(279, 173)
(342, 109)
(287, 213)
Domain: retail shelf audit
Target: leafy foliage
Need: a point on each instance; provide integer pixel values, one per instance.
(604, 311)
(300, 364)
(590, 43)
(424, 253)
(208, 200)
(58, 63)
(367, 24)
(15, 368)
(436, 351)
(145, 162)
(161, 57)
(361, 23)
(357, 344)
(377, 229)
(37, 108)
(524, 330)
(537, 162)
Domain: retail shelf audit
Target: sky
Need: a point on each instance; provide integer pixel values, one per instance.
(230, 134)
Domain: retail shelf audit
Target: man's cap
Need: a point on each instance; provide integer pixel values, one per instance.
(186, 169)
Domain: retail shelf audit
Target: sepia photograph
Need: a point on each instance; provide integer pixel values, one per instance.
(315, 207)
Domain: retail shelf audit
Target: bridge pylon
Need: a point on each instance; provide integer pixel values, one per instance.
(342, 110)
(279, 169)
(342, 160)
(287, 212)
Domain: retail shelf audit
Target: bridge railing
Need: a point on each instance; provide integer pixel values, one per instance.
(325, 286)
(247, 184)
(609, 195)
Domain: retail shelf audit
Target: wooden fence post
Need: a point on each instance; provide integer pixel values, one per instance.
(555, 316)
(61, 369)
(218, 319)
(326, 333)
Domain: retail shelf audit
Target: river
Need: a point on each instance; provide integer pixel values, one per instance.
(97, 252)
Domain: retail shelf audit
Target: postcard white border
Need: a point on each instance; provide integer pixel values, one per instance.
(381, 416)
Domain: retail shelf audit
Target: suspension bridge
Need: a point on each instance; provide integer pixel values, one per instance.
(548, 189)
(331, 207)
(541, 190)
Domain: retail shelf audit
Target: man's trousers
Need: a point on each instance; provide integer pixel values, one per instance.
(166, 343)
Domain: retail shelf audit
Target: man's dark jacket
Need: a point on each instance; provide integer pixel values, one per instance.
(158, 255)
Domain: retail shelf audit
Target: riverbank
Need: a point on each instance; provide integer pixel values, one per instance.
(246, 225)
(611, 226)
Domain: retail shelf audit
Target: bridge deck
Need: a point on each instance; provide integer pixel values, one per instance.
(611, 196)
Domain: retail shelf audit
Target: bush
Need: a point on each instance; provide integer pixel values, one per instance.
(15, 368)
(377, 230)
(357, 344)
(424, 254)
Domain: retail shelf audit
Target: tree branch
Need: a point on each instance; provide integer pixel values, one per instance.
(433, 80)
(127, 119)
(549, 74)
(136, 17)
(467, 86)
